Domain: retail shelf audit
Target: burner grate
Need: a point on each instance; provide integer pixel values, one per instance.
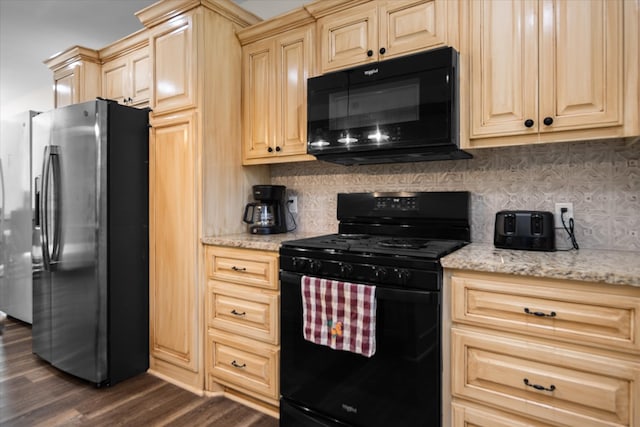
(404, 243)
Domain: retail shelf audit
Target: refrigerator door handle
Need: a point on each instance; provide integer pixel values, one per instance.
(55, 163)
(44, 231)
(36, 190)
(2, 207)
(51, 168)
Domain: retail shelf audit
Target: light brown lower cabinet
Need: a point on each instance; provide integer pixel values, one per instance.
(539, 352)
(467, 415)
(242, 354)
(243, 364)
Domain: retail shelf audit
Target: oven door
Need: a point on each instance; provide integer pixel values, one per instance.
(399, 385)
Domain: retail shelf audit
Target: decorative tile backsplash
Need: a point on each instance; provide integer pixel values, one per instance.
(600, 178)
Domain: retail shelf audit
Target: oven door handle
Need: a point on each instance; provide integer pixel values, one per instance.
(404, 295)
(392, 294)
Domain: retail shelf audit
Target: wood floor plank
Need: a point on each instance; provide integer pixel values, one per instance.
(34, 394)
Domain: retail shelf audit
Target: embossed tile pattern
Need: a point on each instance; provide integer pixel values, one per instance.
(600, 178)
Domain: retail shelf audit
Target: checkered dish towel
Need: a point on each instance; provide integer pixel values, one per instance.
(340, 315)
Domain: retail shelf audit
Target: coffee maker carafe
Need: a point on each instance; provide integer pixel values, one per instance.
(267, 214)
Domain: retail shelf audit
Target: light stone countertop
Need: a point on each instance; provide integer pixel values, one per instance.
(601, 266)
(265, 242)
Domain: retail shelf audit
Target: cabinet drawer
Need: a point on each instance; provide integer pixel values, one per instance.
(555, 384)
(466, 414)
(243, 266)
(252, 313)
(602, 319)
(248, 365)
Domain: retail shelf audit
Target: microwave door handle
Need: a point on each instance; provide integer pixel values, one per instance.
(44, 200)
(55, 164)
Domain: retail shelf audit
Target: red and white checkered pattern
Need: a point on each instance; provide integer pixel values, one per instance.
(339, 315)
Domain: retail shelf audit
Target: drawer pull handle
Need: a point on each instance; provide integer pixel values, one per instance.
(539, 387)
(237, 313)
(539, 313)
(234, 268)
(236, 365)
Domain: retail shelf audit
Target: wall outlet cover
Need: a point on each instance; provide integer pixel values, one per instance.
(293, 204)
(558, 212)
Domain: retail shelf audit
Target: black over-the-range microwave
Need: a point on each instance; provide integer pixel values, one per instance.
(399, 110)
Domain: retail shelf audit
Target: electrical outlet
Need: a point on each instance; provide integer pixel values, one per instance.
(293, 204)
(567, 215)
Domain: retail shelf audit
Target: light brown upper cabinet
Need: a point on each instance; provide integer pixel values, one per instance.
(274, 96)
(380, 30)
(174, 66)
(197, 184)
(76, 76)
(548, 70)
(126, 79)
(126, 71)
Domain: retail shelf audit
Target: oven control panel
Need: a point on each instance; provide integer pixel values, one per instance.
(396, 276)
(397, 203)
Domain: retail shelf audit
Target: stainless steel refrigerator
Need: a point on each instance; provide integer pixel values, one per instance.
(15, 216)
(90, 251)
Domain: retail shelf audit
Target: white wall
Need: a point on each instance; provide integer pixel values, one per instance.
(39, 99)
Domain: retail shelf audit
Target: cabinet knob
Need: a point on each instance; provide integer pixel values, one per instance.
(382, 51)
(528, 123)
(270, 150)
(548, 121)
(278, 148)
(369, 53)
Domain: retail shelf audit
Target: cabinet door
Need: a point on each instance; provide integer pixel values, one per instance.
(259, 89)
(348, 38)
(294, 63)
(251, 366)
(115, 80)
(540, 309)
(411, 26)
(466, 414)
(174, 67)
(64, 89)
(242, 266)
(504, 63)
(581, 63)
(173, 240)
(559, 385)
(140, 76)
(243, 310)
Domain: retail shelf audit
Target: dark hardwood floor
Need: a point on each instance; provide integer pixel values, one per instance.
(33, 393)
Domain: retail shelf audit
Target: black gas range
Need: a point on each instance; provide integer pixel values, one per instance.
(392, 242)
(408, 262)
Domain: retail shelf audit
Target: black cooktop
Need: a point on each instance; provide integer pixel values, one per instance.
(380, 245)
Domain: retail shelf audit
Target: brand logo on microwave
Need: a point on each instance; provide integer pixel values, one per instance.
(371, 72)
(350, 409)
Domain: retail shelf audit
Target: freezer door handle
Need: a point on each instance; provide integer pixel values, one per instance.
(50, 198)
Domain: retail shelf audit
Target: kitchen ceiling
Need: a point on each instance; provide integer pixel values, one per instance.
(33, 30)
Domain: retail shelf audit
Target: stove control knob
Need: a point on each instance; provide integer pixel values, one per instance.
(315, 266)
(345, 269)
(403, 275)
(380, 273)
(298, 263)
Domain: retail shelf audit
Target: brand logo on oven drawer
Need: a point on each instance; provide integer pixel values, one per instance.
(349, 409)
(371, 72)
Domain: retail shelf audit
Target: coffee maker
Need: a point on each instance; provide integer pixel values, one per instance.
(267, 214)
